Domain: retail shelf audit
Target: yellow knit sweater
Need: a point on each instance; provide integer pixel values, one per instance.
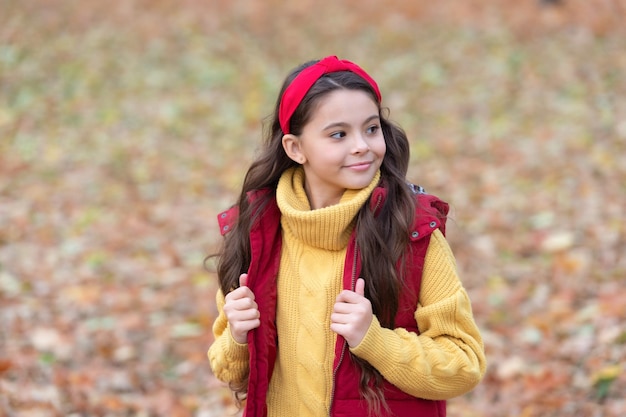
(444, 361)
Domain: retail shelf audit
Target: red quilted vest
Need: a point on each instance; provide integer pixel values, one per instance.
(265, 242)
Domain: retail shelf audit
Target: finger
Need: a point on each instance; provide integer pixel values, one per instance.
(241, 311)
(343, 307)
(245, 315)
(239, 329)
(337, 318)
(359, 288)
(347, 296)
(339, 328)
(244, 303)
(243, 280)
(238, 294)
(342, 318)
(247, 325)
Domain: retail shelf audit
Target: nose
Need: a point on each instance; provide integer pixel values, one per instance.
(360, 144)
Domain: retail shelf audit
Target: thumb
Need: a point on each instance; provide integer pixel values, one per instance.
(243, 280)
(359, 287)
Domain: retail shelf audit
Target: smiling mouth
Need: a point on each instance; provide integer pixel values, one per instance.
(361, 165)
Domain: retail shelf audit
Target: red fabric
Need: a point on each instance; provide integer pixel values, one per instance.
(303, 82)
(265, 238)
(430, 215)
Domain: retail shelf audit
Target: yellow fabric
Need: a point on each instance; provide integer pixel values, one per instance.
(445, 360)
(228, 359)
(309, 280)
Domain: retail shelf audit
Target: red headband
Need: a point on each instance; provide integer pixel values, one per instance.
(298, 88)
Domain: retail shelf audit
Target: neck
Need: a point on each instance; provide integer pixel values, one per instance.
(321, 201)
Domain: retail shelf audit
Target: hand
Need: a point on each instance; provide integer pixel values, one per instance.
(352, 314)
(241, 311)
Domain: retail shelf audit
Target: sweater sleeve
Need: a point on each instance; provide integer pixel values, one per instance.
(229, 360)
(447, 358)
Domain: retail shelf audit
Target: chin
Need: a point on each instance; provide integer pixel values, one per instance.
(358, 185)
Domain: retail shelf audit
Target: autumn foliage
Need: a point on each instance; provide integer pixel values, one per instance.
(125, 126)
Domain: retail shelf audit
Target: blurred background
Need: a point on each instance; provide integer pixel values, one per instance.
(125, 126)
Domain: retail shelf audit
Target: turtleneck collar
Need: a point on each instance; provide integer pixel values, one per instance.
(327, 228)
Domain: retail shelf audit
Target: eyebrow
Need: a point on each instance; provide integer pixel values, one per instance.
(342, 124)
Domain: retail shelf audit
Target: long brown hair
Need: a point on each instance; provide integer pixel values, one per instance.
(382, 236)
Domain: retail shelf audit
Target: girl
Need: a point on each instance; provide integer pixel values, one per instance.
(339, 294)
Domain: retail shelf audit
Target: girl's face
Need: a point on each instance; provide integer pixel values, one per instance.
(341, 147)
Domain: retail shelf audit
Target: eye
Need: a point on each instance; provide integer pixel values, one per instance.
(373, 129)
(338, 135)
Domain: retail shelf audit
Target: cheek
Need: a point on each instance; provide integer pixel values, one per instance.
(325, 157)
(380, 148)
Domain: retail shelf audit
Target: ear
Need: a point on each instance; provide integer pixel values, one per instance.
(291, 144)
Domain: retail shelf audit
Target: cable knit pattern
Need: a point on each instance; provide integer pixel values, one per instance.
(309, 279)
(445, 360)
(440, 363)
(447, 356)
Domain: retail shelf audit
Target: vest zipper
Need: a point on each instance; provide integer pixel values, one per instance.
(343, 347)
(332, 394)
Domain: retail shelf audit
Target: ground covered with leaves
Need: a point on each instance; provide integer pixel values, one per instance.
(125, 126)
